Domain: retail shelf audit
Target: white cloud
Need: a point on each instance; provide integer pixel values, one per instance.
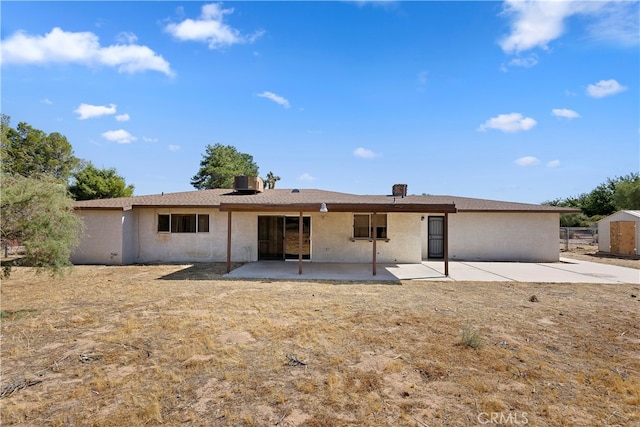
(147, 139)
(527, 161)
(306, 177)
(534, 24)
(123, 117)
(120, 136)
(618, 23)
(64, 47)
(512, 122)
(87, 111)
(365, 153)
(126, 38)
(275, 98)
(526, 62)
(174, 147)
(605, 88)
(46, 101)
(553, 163)
(565, 113)
(211, 29)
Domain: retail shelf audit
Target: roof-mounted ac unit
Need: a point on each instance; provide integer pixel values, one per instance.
(248, 184)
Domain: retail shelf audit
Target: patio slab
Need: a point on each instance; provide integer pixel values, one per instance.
(565, 271)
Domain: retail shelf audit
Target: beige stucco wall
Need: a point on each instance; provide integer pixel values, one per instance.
(117, 237)
(102, 239)
(499, 236)
(151, 246)
(332, 239)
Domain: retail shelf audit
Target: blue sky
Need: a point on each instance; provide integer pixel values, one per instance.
(521, 101)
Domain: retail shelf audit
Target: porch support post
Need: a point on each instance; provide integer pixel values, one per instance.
(374, 228)
(228, 241)
(300, 230)
(446, 244)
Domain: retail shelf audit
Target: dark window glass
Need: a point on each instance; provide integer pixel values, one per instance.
(203, 223)
(360, 226)
(164, 223)
(183, 223)
(381, 225)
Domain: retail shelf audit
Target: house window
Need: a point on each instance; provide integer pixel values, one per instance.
(363, 226)
(164, 223)
(183, 223)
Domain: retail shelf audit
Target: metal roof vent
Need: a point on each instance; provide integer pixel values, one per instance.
(399, 190)
(295, 190)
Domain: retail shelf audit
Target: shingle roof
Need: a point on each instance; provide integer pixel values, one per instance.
(281, 198)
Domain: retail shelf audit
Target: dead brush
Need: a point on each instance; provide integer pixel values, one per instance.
(470, 336)
(212, 352)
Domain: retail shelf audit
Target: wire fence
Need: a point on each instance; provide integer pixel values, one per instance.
(577, 235)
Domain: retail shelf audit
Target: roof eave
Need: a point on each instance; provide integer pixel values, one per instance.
(564, 211)
(338, 207)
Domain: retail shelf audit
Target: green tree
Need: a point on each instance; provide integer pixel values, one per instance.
(612, 195)
(627, 194)
(31, 152)
(39, 214)
(220, 164)
(271, 180)
(89, 182)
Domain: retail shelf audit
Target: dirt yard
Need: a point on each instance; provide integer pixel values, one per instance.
(177, 345)
(589, 252)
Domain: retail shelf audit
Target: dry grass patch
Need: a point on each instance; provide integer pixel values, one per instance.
(148, 345)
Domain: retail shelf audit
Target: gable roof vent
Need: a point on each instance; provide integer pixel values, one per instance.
(399, 190)
(248, 184)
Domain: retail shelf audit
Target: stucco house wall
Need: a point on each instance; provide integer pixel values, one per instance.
(331, 239)
(125, 230)
(102, 239)
(500, 236)
(604, 229)
(152, 246)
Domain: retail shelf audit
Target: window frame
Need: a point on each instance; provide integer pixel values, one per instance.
(382, 230)
(198, 222)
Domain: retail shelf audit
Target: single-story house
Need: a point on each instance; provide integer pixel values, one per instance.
(251, 224)
(619, 233)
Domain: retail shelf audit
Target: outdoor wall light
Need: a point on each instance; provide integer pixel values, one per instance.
(323, 207)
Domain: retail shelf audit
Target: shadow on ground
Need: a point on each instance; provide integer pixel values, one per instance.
(201, 271)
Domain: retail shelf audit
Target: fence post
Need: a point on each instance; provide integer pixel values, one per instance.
(566, 239)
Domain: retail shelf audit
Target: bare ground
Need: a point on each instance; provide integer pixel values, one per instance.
(177, 345)
(590, 252)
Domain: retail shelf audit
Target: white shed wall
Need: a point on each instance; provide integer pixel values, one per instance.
(102, 239)
(499, 236)
(604, 230)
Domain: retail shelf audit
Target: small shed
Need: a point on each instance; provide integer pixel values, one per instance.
(619, 233)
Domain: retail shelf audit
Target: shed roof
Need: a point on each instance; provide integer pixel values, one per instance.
(310, 200)
(622, 214)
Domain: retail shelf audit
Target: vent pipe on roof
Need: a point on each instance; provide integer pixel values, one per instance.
(399, 190)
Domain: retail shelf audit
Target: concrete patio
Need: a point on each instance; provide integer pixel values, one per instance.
(565, 271)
